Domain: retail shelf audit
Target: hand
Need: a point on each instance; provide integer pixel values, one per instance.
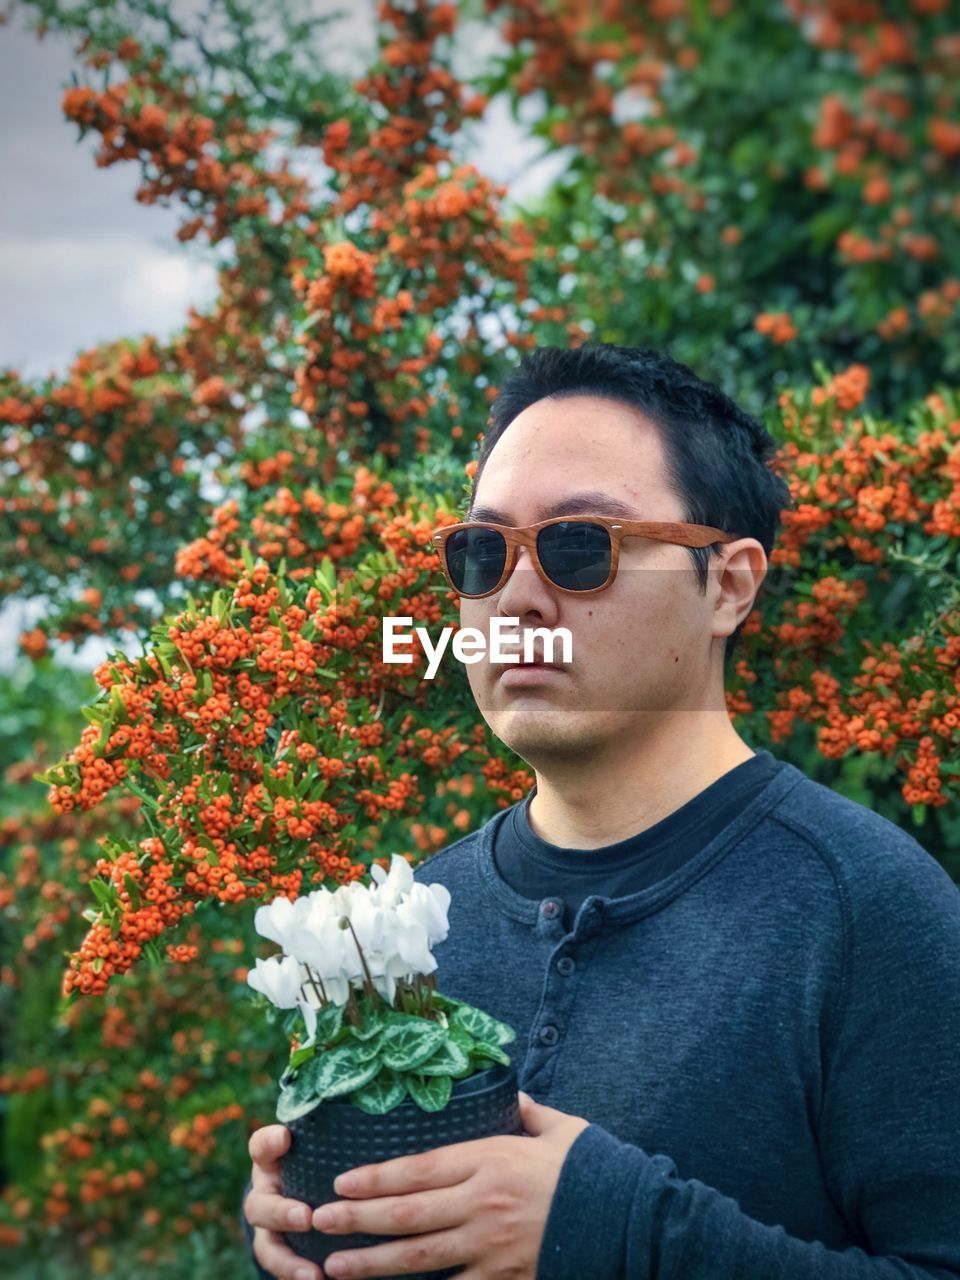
(480, 1204)
(270, 1213)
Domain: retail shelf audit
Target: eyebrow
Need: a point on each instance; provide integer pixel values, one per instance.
(585, 502)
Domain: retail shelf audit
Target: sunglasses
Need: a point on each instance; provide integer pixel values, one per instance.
(574, 553)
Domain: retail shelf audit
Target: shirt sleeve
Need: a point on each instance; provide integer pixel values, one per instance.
(248, 1232)
(888, 1130)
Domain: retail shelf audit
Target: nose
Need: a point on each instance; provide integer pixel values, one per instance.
(524, 590)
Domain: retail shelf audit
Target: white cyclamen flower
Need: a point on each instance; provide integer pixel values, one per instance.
(378, 933)
(287, 984)
(391, 886)
(394, 922)
(311, 999)
(278, 979)
(318, 941)
(413, 946)
(275, 920)
(348, 895)
(426, 906)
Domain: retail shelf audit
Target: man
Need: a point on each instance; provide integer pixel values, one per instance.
(736, 992)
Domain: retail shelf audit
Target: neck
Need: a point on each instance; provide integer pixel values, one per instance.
(622, 791)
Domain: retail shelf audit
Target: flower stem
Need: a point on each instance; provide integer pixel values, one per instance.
(368, 981)
(352, 1012)
(313, 980)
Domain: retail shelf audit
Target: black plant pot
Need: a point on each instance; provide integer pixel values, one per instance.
(336, 1136)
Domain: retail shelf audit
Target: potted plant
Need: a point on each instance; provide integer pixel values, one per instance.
(389, 1065)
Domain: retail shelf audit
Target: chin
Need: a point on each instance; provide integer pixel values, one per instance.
(537, 737)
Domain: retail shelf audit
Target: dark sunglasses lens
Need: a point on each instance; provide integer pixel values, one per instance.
(475, 560)
(575, 554)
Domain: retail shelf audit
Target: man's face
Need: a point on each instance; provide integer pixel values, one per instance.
(641, 647)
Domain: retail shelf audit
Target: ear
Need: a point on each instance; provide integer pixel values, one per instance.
(740, 576)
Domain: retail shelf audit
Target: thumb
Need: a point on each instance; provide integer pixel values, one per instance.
(537, 1118)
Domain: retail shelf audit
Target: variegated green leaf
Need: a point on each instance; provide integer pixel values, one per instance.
(431, 1094)
(337, 1071)
(382, 1094)
(481, 1026)
(409, 1040)
(483, 1050)
(451, 1059)
(296, 1099)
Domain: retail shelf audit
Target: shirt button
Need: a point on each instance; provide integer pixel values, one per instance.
(566, 965)
(549, 1034)
(550, 908)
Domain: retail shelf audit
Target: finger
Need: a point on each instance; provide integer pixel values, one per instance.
(264, 1206)
(276, 1213)
(275, 1255)
(406, 1215)
(267, 1144)
(400, 1257)
(441, 1167)
(535, 1117)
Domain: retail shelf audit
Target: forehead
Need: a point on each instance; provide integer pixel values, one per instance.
(583, 452)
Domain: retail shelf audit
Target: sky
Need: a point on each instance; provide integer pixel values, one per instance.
(81, 263)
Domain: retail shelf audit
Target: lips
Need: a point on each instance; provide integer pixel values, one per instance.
(537, 662)
(536, 645)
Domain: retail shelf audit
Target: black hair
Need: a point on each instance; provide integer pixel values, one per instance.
(717, 454)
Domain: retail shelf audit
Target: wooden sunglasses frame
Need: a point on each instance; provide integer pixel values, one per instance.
(678, 532)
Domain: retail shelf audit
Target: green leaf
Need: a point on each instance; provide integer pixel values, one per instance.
(382, 1094)
(446, 1003)
(825, 227)
(149, 801)
(303, 785)
(463, 1039)
(483, 1050)
(481, 1026)
(451, 1059)
(295, 1100)
(104, 893)
(372, 1025)
(409, 1040)
(431, 1094)
(291, 1020)
(365, 1050)
(298, 1058)
(336, 1071)
(133, 889)
(329, 1022)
